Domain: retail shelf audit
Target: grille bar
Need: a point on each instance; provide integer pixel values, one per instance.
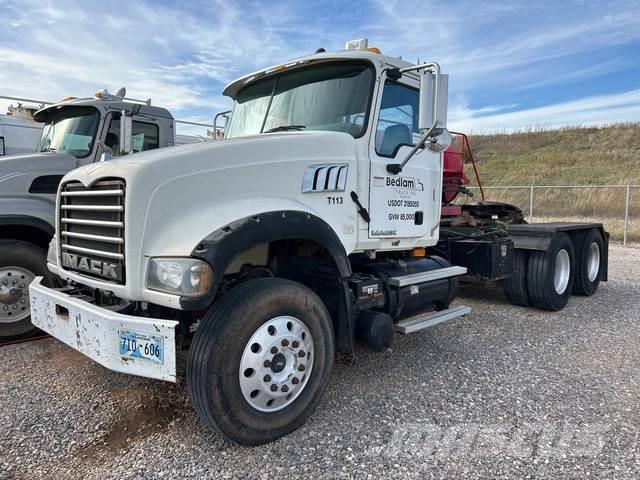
(94, 193)
(91, 226)
(92, 251)
(95, 208)
(95, 223)
(89, 236)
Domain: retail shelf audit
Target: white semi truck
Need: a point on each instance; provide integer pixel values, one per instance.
(70, 133)
(315, 223)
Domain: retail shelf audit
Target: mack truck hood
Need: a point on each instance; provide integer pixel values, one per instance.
(176, 197)
(37, 162)
(29, 182)
(17, 172)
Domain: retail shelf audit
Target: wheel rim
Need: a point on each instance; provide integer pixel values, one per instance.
(593, 261)
(276, 364)
(562, 271)
(14, 294)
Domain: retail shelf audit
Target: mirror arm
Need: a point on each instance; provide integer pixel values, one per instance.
(396, 168)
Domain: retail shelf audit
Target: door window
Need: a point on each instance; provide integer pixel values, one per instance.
(398, 120)
(144, 136)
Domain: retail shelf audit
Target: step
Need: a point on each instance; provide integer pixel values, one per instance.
(422, 277)
(420, 322)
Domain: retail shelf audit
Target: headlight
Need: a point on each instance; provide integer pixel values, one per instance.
(182, 276)
(52, 253)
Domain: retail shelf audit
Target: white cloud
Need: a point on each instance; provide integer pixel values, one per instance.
(594, 110)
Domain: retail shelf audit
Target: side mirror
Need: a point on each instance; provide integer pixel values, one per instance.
(126, 127)
(218, 132)
(105, 157)
(434, 93)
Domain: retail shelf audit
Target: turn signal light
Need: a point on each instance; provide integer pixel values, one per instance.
(419, 252)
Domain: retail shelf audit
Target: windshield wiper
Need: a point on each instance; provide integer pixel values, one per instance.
(284, 128)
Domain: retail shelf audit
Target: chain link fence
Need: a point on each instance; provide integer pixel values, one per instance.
(615, 206)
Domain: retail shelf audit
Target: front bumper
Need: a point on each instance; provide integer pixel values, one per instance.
(95, 331)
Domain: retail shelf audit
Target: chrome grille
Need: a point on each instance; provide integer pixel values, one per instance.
(91, 229)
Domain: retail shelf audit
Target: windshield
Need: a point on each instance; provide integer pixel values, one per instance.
(332, 97)
(70, 130)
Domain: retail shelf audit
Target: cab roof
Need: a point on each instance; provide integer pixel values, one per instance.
(378, 59)
(105, 104)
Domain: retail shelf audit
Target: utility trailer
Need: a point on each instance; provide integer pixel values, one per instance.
(19, 131)
(315, 224)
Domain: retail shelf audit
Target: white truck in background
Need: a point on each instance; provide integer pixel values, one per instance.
(70, 133)
(19, 132)
(316, 223)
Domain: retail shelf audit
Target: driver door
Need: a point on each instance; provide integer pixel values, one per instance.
(406, 205)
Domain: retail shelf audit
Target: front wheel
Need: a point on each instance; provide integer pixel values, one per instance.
(260, 360)
(20, 263)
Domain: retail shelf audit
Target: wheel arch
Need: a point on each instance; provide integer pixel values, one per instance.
(221, 247)
(26, 228)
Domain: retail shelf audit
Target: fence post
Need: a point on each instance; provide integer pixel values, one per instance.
(531, 203)
(626, 214)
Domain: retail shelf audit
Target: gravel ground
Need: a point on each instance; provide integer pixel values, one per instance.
(504, 392)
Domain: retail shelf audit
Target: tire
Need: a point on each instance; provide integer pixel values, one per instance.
(20, 263)
(220, 385)
(589, 263)
(550, 274)
(515, 286)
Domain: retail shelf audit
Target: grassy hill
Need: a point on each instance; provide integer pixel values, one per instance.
(570, 156)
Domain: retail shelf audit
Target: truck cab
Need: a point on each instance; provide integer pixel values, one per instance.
(74, 133)
(315, 224)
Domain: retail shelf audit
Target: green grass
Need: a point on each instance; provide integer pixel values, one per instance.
(569, 156)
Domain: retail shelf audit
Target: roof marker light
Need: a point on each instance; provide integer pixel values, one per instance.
(360, 44)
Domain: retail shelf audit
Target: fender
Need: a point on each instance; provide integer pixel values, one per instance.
(27, 221)
(39, 207)
(224, 245)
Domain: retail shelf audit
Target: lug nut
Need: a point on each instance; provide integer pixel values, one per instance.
(274, 388)
(285, 389)
(295, 380)
(285, 342)
(267, 363)
(301, 353)
(301, 368)
(267, 378)
(295, 344)
(274, 350)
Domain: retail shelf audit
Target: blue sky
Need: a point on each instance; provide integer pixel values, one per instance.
(512, 65)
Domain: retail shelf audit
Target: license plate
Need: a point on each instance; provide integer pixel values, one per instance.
(141, 345)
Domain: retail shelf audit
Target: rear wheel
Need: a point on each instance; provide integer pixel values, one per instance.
(515, 286)
(20, 263)
(260, 360)
(550, 274)
(589, 263)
